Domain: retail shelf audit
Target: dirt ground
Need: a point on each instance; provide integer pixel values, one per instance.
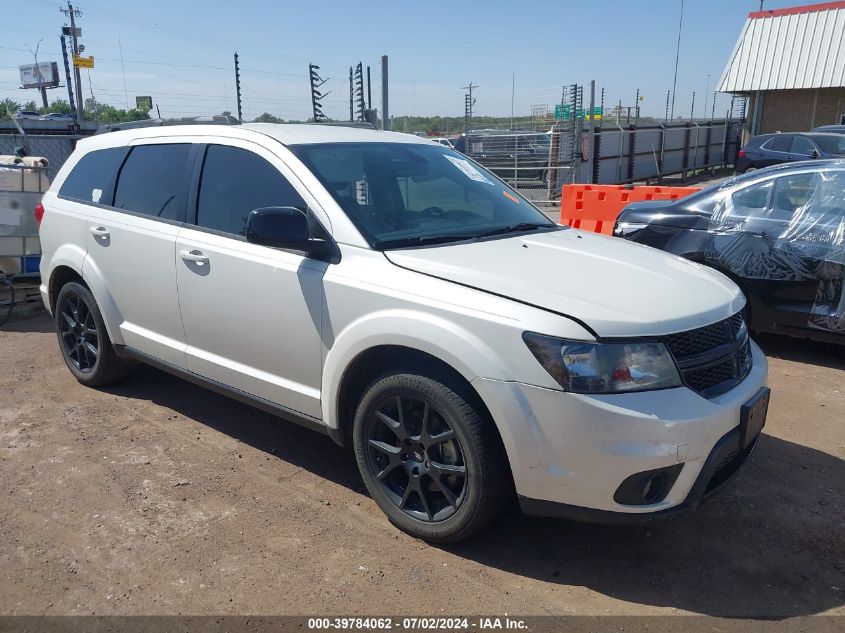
(158, 497)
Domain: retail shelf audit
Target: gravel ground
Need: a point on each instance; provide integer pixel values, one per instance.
(157, 497)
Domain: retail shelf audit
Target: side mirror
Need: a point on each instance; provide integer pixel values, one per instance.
(814, 153)
(283, 227)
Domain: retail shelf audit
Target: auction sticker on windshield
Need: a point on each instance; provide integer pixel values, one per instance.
(467, 167)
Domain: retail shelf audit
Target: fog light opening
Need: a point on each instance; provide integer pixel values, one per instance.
(647, 487)
(654, 487)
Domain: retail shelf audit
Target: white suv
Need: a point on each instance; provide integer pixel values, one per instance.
(391, 293)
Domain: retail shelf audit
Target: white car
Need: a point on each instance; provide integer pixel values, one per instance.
(391, 293)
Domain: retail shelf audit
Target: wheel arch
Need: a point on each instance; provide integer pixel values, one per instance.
(380, 360)
(70, 263)
(394, 334)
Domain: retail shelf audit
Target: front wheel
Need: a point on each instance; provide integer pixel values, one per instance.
(83, 339)
(433, 463)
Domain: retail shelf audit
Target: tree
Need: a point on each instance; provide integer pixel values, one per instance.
(59, 106)
(105, 113)
(8, 108)
(30, 106)
(266, 117)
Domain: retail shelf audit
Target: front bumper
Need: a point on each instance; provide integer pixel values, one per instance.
(569, 453)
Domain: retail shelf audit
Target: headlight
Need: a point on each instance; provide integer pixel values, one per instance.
(604, 367)
(624, 229)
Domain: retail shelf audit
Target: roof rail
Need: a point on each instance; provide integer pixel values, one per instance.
(210, 119)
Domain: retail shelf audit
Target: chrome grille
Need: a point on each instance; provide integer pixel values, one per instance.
(714, 358)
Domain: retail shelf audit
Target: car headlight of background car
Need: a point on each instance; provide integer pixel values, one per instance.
(624, 229)
(584, 367)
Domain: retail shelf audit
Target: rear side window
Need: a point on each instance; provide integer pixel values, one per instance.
(92, 180)
(236, 181)
(779, 143)
(802, 145)
(153, 181)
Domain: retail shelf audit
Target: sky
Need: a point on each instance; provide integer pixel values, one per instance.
(181, 52)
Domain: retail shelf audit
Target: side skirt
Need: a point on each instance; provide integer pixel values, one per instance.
(272, 408)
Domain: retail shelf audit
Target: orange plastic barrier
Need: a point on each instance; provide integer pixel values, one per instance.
(596, 207)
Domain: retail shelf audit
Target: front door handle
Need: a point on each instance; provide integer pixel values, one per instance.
(194, 256)
(101, 233)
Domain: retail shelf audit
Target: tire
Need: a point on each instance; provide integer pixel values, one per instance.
(441, 481)
(749, 170)
(83, 340)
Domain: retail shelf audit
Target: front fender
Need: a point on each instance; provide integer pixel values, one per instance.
(455, 345)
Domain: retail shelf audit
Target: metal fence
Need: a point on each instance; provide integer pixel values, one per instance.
(635, 153)
(55, 148)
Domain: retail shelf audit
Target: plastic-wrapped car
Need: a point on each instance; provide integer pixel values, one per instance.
(778, 232)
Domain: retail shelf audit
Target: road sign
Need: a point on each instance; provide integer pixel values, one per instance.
(66, 30)
(144, 103)
(564, 112)
(83, 62)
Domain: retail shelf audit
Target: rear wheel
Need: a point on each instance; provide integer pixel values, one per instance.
(433, 463)
(83, 339)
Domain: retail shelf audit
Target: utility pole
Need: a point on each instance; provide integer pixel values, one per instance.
(385, 112)
(677, 55)
(238, 88)
(67, 74)
(74, 34)
(42, 89)
(351, 97)
(469, 102)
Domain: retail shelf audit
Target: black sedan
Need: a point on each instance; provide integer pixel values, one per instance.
(779, 233)
(773, 149)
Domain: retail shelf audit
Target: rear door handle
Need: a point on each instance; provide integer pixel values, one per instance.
(194, 256)
(101, 232)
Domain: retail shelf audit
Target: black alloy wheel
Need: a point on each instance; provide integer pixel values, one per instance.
(416, 458)
(79, 333)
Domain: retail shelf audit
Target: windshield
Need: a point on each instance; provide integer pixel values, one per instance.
(831, 144)
(410, 194)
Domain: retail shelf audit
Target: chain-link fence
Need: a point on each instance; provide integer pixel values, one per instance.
(55, 148)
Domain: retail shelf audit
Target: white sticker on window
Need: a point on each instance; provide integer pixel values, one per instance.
(96, 194)
(469, 169)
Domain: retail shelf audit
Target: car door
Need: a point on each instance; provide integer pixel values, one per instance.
(776, 150)
(803, 148)
(131, 243)
(252, 313)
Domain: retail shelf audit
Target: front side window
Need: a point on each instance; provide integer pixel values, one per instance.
(832, 144)
(92, 179)
(401, 194)
(153, 181)
(236, 181)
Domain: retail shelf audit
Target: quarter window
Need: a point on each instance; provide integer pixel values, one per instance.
(92, 180)
(153, 181)
(236, 181)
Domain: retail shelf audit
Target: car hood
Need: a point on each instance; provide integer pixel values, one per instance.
(616, 287)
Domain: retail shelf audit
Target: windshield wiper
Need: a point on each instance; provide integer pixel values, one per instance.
(515, 228)
(420, 240)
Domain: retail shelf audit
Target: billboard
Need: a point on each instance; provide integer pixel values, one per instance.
(40, 75)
